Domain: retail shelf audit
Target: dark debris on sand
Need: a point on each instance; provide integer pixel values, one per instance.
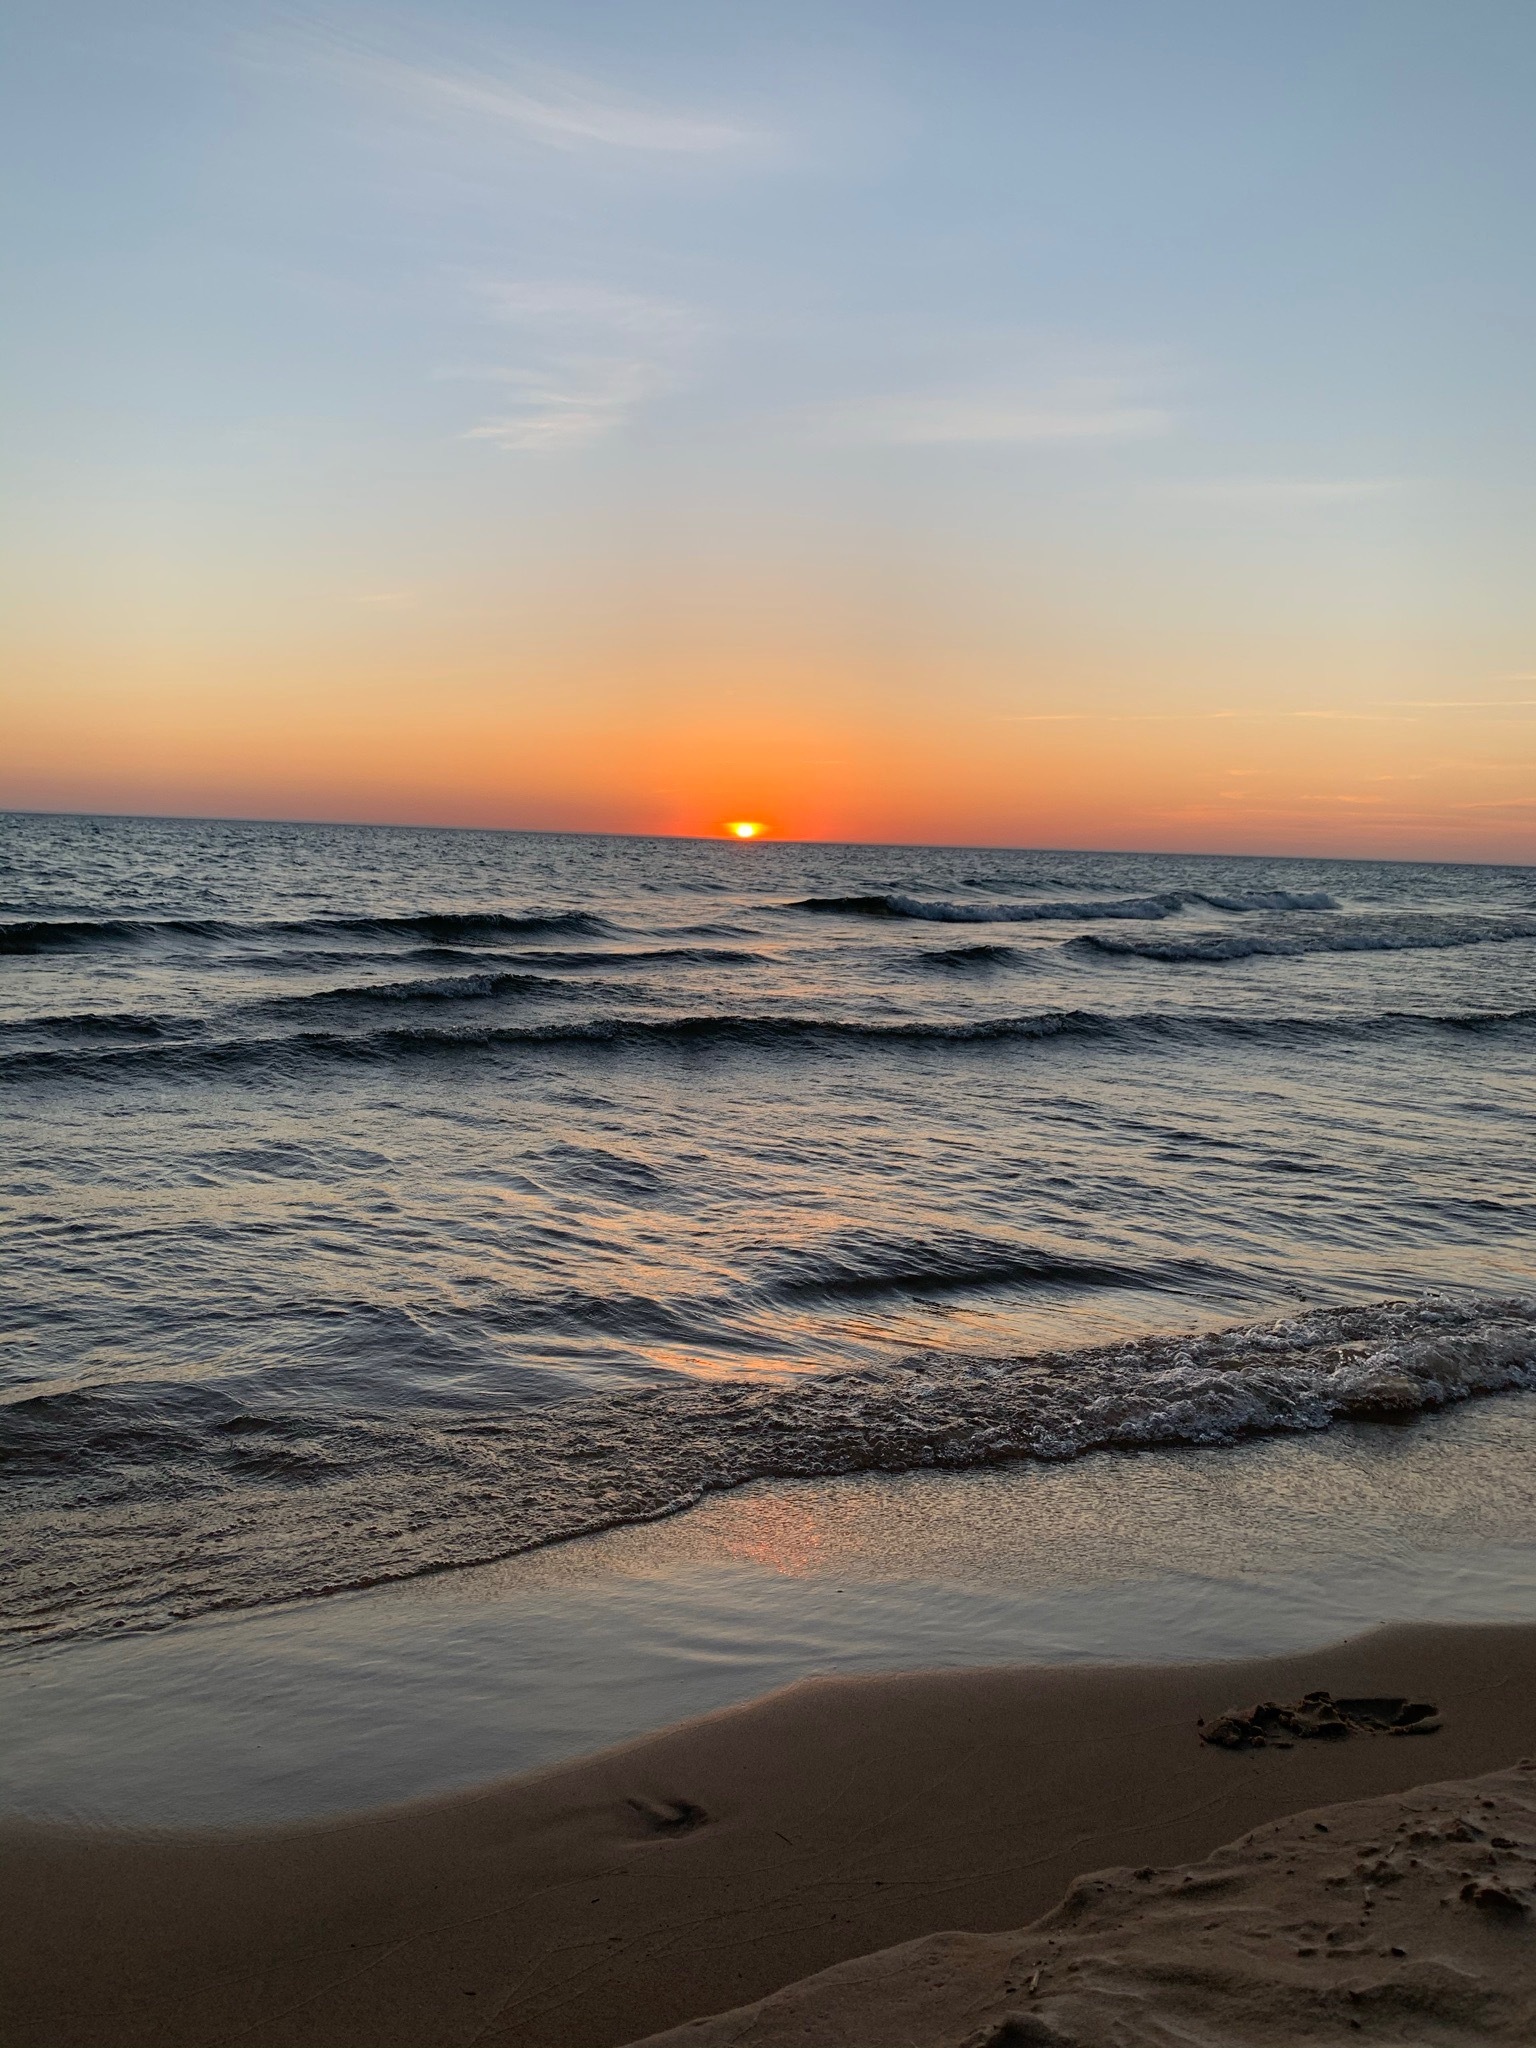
(1318, 1716)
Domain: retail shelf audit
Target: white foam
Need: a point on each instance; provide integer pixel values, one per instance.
(405, 1499)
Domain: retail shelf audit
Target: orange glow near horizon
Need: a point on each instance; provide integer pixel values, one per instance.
(842, 743)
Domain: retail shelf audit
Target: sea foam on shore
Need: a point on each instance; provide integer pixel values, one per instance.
(400, 1499)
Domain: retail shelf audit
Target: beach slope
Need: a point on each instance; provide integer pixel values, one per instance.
(1398, 1920)
(706, 1866)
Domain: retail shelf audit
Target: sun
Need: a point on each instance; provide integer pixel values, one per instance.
(745, 828)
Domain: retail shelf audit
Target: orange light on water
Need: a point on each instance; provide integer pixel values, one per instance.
(745, 828)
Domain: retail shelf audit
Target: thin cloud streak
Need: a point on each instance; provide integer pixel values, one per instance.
(1399, 711)
(1191, 717)
(940, 420)
(582, 403)
(553, 108)
(1280, 491)
(1466, 703)
(585, 305)
(567, 113)
(579, 386)
(1113, 717)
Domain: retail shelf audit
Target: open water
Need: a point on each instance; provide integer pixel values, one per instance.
(376, 1199)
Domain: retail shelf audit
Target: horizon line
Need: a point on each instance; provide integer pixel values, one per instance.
(721, 839)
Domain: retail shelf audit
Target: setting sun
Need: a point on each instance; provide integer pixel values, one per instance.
(745, 828)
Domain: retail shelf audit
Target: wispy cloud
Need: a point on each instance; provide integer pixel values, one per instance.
(1109, 717)
(1190, 717)
(994, 419)
(578, 305)
(579, 402)
(554, 108)
(565, 112)
(1268, 715)
(590, 357)
(1465, 703)
(1279, 491)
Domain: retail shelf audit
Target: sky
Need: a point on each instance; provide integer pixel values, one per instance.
(1064, 423)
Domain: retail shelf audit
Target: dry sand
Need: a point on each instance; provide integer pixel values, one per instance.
(703, 1867)
(1397, 1920)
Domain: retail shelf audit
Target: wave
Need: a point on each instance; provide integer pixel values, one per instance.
(1137, 908)
(448, 925)
(1344, 935)
(327, 1503)
(866, 1267)
(107, 1024)
(47, 935)
(492, 958)
(39, 935)
(761, 1032)
(491, 983)
(438, 988)
(899, 905)
(952, 957)
(630, 956)
(1264, 899)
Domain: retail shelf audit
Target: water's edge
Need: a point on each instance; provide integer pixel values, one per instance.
(108, 1547)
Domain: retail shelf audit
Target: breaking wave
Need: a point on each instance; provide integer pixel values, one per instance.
(1265, 899)
(250, 1524)
(1386, 934)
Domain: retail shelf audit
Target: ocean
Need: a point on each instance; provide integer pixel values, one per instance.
(378, 1200)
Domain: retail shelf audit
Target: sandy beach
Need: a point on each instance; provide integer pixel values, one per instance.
(768, 1026)
(1395, 1920)
(711, 1864)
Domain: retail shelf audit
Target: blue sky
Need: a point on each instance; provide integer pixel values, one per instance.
(1109, 359)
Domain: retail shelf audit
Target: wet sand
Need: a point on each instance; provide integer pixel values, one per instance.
(706, 1866)
(438, 1685)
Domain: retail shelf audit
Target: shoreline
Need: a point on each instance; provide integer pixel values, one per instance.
(703, 1867)
(436, 1686)
(82, 1564)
